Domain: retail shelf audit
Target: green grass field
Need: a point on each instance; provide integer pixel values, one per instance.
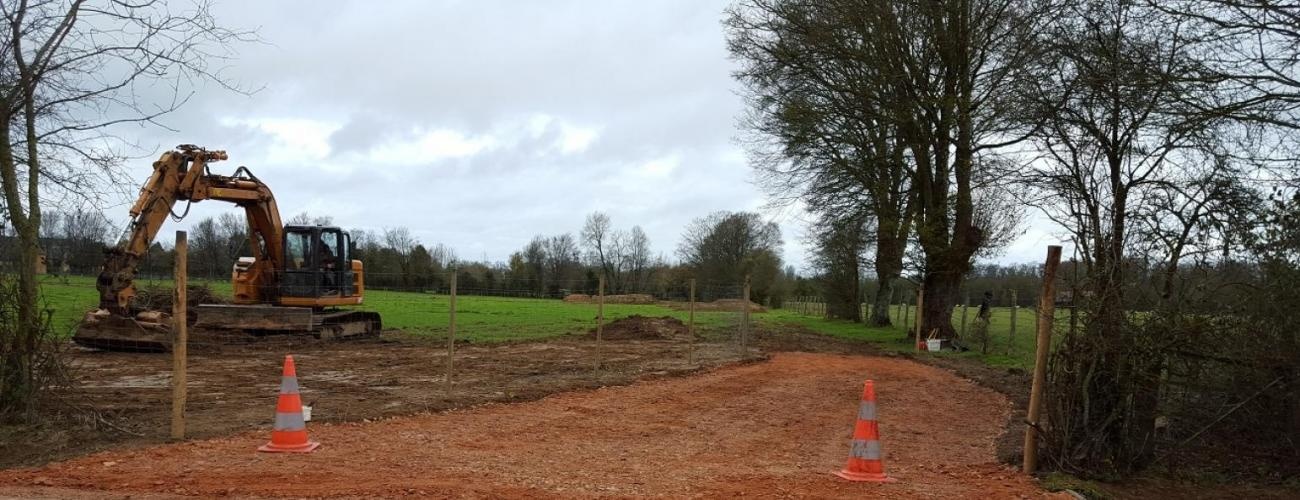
(1002, 350)
(495, 319)
(480, 319)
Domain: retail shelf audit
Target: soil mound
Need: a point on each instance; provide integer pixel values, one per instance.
(160, 297)
(735, 305)
(631, 298)
(637, 327)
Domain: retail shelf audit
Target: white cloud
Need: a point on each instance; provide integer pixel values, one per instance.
(292, 138)
(428, 147)
(480, 124)
(661, 167)
(576, 139)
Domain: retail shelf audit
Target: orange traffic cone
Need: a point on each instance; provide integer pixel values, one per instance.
(864, 454)
(290, 433)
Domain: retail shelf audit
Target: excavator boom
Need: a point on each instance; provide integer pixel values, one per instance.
(183, 175)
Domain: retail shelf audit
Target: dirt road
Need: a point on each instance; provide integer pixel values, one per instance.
(776, 428)
(232, 388)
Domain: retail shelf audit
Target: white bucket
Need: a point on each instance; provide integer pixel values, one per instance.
(306, 413)
(934, 345)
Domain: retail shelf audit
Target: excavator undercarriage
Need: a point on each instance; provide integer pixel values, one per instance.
(295, 282)
(150, 331)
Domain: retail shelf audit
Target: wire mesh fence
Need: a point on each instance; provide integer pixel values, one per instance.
(1006, 328)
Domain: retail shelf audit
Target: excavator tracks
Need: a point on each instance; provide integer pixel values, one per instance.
(224, 324)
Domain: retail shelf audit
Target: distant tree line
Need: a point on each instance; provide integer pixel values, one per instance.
(718, 250)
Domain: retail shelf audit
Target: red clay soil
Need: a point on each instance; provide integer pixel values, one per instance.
(771, 429)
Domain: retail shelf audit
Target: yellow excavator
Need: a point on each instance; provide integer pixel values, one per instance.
(293, 283)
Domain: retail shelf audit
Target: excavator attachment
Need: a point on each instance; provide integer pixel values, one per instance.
(145, 332)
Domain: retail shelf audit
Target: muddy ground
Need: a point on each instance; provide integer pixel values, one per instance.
(773, 428)
(123, 399)
(122, 404)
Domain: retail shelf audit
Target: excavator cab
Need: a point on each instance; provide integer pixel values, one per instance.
(317, 263)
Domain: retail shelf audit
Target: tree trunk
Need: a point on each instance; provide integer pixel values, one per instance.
(16, 375)
(880, 308)
(889, 262)
(942, 294)
(844, 293)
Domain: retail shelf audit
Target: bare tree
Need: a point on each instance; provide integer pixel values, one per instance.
(306, 219)
(77, 240)
(817, 133)
(233, 232)
(402, 243)
(69, 72)
(882, 88)
(562, 260)
(210, 246)
(1251, 49)
(1131, 166)
(596, 238)
(723, 247)
(839, 245)
(637, 255)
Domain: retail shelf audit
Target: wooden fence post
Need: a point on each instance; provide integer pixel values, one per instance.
(600, 317)
(907, 323)
(451, 329)
(690, 327)
(180, 337)
(893, 293)
(1046, 317)
(964, 307)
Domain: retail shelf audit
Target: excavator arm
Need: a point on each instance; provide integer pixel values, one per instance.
(183, 175)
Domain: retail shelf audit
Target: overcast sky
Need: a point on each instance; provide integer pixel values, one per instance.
(480, 124)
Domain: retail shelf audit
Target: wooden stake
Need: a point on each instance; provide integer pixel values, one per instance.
(893, 292)
(964, 307)
(451, 329)
(1046, 316)
(600, 317)
(690, 327)
(907, 323)
(180, 337)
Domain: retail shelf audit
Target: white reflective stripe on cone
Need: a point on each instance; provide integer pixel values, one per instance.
(288, 385)
(290, 421)
(866, 450)
(867, 411)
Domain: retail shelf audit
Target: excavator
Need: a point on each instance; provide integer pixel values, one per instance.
(293, 284)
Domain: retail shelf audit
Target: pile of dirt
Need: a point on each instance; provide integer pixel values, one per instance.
(160, 298)
(718, 305)
(631, 298)
(637, 327)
